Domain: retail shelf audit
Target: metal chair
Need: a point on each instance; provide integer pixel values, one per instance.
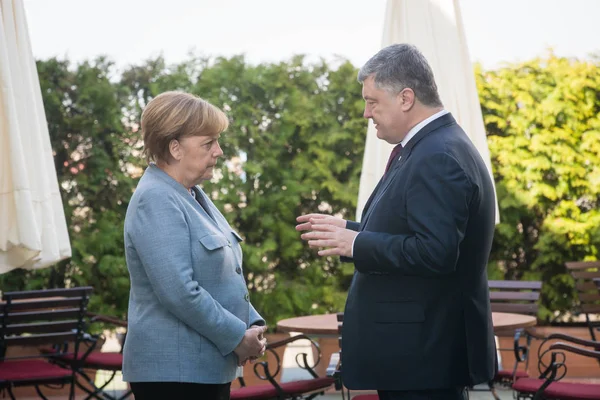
(587, 283)
(548, 385)
(519, 297)
(300, 389)
(94, 360)
(41, 317)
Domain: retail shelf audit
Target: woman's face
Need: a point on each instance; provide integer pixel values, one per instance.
(198, 157)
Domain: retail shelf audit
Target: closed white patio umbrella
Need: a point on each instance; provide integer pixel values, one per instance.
(33, 230)
(436, 28)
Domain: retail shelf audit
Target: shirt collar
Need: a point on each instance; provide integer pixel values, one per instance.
(420, 126)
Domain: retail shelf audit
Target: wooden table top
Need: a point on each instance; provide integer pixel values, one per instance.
(326, 324)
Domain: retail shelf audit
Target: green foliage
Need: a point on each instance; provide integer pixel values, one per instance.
(295, 145)
(542, 119)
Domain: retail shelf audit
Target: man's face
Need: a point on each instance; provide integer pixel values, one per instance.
(385, 109)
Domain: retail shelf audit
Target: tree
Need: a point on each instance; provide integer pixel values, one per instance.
(542, 119)
(295, 145)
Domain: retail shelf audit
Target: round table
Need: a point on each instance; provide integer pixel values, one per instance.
(326, 324)
(325, 328)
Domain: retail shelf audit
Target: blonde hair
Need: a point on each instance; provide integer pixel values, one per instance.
(176, 115)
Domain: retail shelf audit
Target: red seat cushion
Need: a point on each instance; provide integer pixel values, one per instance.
(560, 390)
(107, 361)
(268, 391)
(31, 371)
(507, 374)
(96, 359)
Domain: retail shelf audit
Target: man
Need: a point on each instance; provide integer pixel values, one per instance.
(417, 323)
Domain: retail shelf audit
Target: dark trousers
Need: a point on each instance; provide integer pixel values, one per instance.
(437, 394)
(179, 391)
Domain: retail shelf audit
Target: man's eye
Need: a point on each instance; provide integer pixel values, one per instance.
(209, 144)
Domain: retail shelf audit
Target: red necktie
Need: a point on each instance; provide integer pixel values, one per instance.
(393, 156)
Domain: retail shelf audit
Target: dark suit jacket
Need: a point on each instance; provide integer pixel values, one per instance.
(418, 312)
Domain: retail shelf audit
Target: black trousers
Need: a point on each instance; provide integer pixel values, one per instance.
(179, 391)
(459, 393)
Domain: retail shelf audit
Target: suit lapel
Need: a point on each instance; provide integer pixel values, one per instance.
(377, 194)
(387, 179)
(370, 200)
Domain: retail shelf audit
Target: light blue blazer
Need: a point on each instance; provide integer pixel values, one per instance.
(189, 305)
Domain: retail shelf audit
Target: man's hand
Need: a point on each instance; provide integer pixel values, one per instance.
(307, 221)
(253, 344)
(336, 240)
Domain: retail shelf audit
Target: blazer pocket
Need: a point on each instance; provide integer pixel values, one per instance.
(213, 242)
(394, 312)
(238, 237)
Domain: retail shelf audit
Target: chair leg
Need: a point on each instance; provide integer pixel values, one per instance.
(95, 394)
(496, 397)
(39, 392)
(100, 389)
(11, 394)
(98, 392)
(493, 390)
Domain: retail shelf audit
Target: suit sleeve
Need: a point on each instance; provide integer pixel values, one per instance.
(352, 225)
(438, 212)
(161, 237)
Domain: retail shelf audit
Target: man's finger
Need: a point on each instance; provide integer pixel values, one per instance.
(307, 217)
(335, 251)
(317, 235)
(323, 227)
(322, 243)
(303, 227)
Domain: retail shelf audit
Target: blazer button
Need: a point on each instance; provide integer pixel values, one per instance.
(247, 297)
(238, 270)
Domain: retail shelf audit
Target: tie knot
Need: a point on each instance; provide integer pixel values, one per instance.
(393, 156)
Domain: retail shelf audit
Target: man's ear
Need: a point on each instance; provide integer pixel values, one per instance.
(175, 149)
(407, 99)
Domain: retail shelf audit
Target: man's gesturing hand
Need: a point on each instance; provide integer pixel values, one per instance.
(336, 239)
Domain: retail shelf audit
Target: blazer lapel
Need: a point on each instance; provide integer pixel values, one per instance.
(158, 173)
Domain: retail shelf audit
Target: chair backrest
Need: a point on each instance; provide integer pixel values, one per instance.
(519, 297)
(587, 283)
(43, 317)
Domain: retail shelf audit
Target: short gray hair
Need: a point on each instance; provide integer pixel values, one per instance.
(400, 66)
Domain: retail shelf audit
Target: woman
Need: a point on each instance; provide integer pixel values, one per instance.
(190, 320)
